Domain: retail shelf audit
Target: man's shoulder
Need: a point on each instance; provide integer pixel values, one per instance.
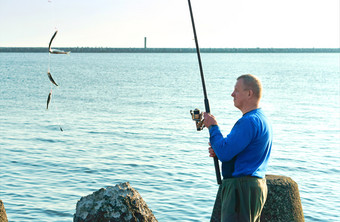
(255, 115)
(245, 121)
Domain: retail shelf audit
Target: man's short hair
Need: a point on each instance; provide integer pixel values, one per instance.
(253, 83)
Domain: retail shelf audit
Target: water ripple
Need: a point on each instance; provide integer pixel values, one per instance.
(128, 121)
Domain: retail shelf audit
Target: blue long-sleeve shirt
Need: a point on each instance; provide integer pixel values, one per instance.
(246, 149)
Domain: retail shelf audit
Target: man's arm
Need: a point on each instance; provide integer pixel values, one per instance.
(237, 140)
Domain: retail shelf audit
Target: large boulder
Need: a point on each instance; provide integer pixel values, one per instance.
(3, 215)
(119, 203)
(283, 201)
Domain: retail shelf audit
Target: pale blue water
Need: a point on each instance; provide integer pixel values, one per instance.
(126, 118)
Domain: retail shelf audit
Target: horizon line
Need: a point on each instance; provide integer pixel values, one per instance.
(171, 50)
(173, 47)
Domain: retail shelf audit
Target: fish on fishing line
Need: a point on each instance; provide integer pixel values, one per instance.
(51, 79)
(48, 102)
(55, 51)
(49, 99)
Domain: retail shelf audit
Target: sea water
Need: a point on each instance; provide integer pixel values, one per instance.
(125, 117)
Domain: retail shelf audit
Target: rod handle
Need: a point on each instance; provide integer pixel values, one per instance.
(217, 170)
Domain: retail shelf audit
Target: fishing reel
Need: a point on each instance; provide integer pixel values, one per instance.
(197, 116)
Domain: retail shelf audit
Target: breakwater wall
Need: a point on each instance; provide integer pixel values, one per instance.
(171, 50)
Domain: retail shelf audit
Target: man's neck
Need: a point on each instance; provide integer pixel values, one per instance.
(250, 108)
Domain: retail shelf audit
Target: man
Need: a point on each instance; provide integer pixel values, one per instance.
(244, 154)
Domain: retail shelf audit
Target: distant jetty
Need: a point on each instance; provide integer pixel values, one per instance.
(172, 50)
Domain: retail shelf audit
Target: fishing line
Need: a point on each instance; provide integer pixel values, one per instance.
(54, 85)
(58, 114)
(52, 95)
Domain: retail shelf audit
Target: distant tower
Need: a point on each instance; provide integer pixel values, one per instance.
(144, 42)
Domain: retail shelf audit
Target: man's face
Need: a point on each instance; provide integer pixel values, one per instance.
(240, 94)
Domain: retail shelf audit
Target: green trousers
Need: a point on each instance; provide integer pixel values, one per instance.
(241, 199)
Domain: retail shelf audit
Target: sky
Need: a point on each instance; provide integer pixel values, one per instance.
(167, 24)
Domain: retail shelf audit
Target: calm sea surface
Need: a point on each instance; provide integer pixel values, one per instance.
(125, 117)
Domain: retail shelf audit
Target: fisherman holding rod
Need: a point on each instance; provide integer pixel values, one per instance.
(244, 152)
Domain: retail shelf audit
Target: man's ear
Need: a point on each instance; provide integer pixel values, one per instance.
(250, 93)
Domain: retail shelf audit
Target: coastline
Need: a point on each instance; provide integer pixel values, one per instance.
(170, 50)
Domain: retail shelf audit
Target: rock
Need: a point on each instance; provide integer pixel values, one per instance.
(3, 215)
(119, 203)
(283, 201)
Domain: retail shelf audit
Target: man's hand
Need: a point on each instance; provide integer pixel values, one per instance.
(209, 120)
(211, 151)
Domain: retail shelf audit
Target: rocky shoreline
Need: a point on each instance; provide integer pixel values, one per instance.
(123, 203)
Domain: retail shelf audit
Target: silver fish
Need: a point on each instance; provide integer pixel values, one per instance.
(51, 79)
(49, 46)
(55, 51)
(49, 99)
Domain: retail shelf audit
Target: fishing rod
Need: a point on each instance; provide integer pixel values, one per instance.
(196, 114)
